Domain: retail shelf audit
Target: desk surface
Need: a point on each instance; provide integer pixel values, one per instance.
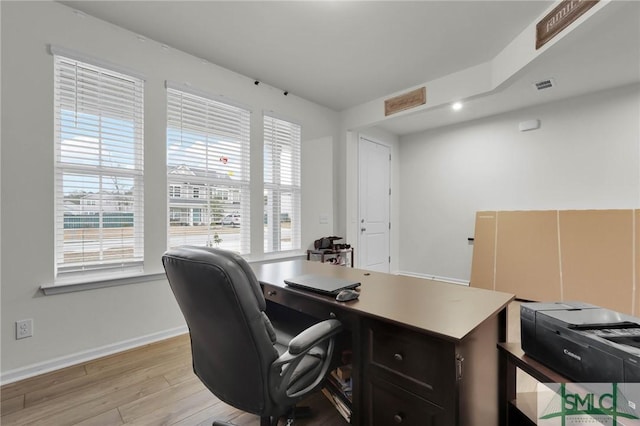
(449, 311)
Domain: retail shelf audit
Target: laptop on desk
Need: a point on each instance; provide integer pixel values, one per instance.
(321, 284)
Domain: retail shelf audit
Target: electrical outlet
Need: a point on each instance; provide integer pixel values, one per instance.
(24, 328)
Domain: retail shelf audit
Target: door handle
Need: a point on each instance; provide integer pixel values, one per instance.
(363, 229)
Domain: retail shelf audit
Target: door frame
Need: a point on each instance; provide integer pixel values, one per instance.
(359, 192)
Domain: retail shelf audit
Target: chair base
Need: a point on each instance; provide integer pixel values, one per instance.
(299, 412)
(268, 421)
(264, 421)
(295, 413)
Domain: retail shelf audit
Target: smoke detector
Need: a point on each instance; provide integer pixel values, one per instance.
(544, 84)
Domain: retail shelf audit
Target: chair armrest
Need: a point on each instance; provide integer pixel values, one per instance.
(314, 335)
(283, 367)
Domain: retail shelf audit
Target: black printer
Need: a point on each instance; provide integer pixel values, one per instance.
(583, 342)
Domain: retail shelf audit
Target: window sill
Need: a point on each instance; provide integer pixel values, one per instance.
(102, 282)
(276, 257)
(70, 286)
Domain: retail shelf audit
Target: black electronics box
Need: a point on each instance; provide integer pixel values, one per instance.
(582, 342)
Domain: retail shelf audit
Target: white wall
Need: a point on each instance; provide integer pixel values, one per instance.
(586, 155)
(72, 323)
(317, 207)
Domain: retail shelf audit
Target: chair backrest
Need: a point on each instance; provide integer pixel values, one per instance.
(231, 337)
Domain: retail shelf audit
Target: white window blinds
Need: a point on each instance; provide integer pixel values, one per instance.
(207, 172)
(281, 185)
(99, 169)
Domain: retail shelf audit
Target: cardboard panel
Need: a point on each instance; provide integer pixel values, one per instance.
(484, 248)
(636, 308)
(527, 258)
(597, 260)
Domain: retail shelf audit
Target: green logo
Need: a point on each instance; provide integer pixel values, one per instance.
(587, 403)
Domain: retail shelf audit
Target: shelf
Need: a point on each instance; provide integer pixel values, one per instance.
(344, 409)
(521, 408)
(327, 254)
(526, 404)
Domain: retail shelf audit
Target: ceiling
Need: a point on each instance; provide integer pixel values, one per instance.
(344, 53)
(602, 53)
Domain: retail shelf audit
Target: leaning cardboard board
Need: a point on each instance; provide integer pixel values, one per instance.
(556, 255)
(527, 254)
(597, 257)
(484, 251)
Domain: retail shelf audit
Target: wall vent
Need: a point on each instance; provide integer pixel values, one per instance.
(544, 84)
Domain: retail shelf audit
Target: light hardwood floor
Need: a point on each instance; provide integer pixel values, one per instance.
(151, 385)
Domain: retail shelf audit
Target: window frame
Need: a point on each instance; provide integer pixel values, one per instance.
(214, 122)
(275, 136)
(104, 107)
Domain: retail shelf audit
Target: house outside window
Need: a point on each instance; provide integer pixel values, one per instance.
(208, 166)
(174, 191)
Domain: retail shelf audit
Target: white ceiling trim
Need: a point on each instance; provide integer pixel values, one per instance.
(482, 79)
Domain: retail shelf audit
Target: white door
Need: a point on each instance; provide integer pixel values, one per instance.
(374, 161)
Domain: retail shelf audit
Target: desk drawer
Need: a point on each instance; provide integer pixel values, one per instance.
(424, 365)
(317, 306)
(297, 302)
(391, 405)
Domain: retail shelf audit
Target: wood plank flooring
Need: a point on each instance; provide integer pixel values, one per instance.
(151, 385)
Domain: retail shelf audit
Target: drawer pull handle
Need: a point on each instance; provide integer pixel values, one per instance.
(398, 418)
(271, 293)
(398, 357)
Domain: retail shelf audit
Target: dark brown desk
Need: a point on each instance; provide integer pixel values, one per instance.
(424, 352)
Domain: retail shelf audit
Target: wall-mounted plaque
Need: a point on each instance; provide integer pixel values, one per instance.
(405, 101)
(560, 18)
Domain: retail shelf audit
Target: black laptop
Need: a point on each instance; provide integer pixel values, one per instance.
(321, 284)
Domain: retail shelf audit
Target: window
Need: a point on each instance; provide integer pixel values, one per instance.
(281, 185)
(208, 158)
(98, 169)
(174, 191)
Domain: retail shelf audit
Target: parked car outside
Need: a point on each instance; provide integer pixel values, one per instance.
(284, 217)
(231, 219)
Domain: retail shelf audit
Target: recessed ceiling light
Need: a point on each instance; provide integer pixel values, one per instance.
(457, 106)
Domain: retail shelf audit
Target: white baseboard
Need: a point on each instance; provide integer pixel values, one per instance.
(434, 278)
(84, 356)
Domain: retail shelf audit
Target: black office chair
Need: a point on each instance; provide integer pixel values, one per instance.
(236, 351)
